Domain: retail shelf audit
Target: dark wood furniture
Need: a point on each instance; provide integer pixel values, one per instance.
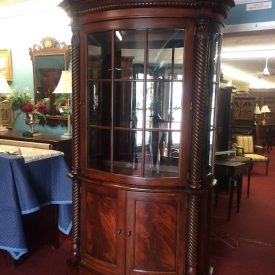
(224, 119)
(57, 142)
(229, 173)
(265, 135)
(249, 166)
(145, 80)
(243, 122)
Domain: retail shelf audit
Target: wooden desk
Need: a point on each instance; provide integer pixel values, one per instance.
(57, 142)
(233, 171)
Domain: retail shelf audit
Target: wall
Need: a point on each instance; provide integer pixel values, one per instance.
(18, 33)
(251, 15)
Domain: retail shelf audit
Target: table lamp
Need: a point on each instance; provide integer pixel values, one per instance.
(4, 89)
(265, 109)
(64, 86)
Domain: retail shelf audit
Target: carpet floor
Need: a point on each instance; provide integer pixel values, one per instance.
(246, 244)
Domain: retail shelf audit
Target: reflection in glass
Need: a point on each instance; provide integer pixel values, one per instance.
(162, 151)
(213, 91)
(99, 55)
(99, 103)
(142, 97)
(165, 53)
(99, 149)
(163, 105)
(127, 155)
(129, 54)
(128, 104)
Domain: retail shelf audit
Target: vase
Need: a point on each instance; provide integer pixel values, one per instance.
(32, 120)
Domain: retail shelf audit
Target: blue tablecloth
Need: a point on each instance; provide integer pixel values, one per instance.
(24, 188)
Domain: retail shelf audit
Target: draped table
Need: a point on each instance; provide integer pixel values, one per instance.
(30, 178)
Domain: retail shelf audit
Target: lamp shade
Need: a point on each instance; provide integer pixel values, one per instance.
(257, 110)
(64, 85)
(265, 109)
(4, 86)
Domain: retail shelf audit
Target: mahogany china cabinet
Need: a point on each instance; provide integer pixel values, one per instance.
(145, 79)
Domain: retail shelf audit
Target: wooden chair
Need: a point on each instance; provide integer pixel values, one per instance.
(249, 150)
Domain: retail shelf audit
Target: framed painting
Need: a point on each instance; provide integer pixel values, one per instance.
(5, 64)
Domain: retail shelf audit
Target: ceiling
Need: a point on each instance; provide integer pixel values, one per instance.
(252, 66)
(9, 2)
(262, 42)
(10, 8)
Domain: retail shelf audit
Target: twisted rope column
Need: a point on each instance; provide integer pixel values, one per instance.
(199, 112)
(75, 144)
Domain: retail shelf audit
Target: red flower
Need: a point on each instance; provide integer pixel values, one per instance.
(27, 108)
(64, 103)
(41, 107)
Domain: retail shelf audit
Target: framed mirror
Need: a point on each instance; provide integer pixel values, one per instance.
(49, 59)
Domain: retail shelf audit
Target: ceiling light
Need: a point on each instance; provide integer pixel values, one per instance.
(229, 83)
(266, 71)
(118, 35)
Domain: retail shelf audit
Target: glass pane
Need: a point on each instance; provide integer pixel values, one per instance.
(99, 149)
(128, 104)
(129, 54)
(127, 155)
(165, 53)
(99, 55)
(212, 95)
(163, 104)
(162, 154)
(99, 103)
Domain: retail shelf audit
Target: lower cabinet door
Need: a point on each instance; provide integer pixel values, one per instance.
(156, 230)
(125, 232)
(102, 236)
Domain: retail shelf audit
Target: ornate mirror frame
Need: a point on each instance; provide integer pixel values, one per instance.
(49, 59)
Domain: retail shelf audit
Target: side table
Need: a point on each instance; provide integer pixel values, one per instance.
(249, 165)
(234, 171)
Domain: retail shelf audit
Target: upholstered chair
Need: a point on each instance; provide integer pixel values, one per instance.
(246, 146)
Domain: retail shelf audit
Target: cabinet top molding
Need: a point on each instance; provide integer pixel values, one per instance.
(83, 7)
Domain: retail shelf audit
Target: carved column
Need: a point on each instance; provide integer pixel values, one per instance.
(75, 143)
(198, 115)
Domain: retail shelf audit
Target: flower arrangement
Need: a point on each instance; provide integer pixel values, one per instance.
(24, 102)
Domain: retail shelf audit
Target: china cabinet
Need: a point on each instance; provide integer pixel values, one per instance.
(145, 79)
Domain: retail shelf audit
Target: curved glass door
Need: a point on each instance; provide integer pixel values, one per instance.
(135, 90)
